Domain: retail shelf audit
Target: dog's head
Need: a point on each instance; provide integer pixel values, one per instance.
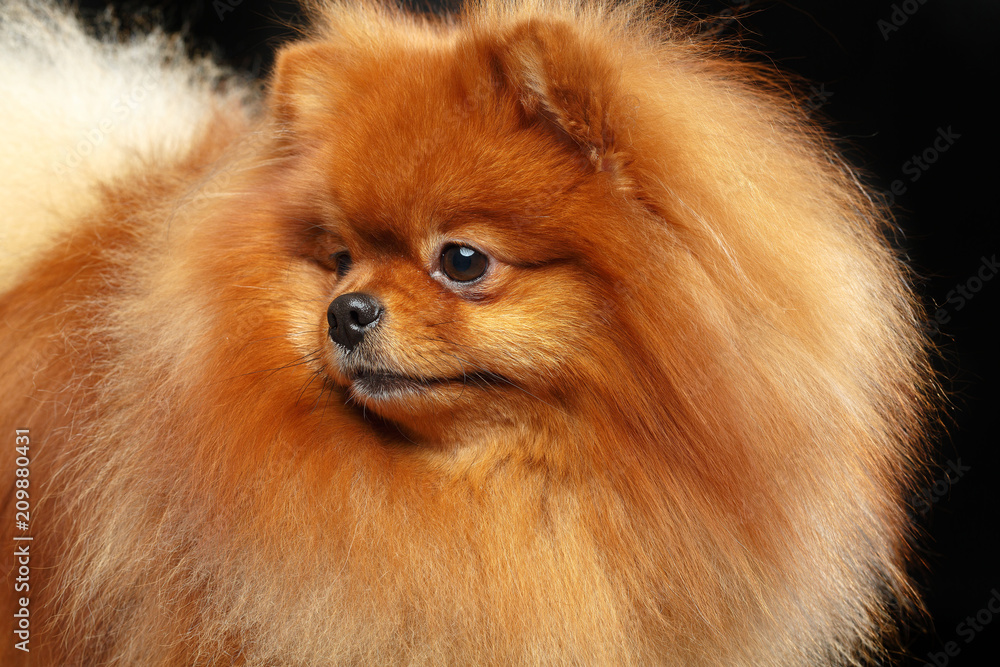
(469, 205)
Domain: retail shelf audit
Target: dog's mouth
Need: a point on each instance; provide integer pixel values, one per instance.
(381, 385)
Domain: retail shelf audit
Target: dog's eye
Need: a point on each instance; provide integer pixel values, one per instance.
(462, 263)
(342, 262)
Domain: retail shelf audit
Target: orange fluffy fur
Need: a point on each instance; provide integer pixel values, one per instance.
(681, 411)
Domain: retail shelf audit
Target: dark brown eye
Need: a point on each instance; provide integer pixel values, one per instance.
(462, 263)
(341, 262)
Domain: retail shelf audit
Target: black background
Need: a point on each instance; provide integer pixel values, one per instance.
(887, 76)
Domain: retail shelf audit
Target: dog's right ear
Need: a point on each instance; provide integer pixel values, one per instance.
(305, 84)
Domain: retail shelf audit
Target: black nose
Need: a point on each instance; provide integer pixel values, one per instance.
(351, 316)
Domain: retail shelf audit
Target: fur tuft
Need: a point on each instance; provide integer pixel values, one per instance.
(79, 110)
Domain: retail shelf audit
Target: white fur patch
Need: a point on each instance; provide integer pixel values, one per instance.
(75, 110)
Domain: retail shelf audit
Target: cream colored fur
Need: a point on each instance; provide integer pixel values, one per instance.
(75, 110)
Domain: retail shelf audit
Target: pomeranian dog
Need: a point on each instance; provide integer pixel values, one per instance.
(542, 334)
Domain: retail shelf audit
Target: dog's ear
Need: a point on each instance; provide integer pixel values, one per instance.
(568, 82)
(305, 83)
